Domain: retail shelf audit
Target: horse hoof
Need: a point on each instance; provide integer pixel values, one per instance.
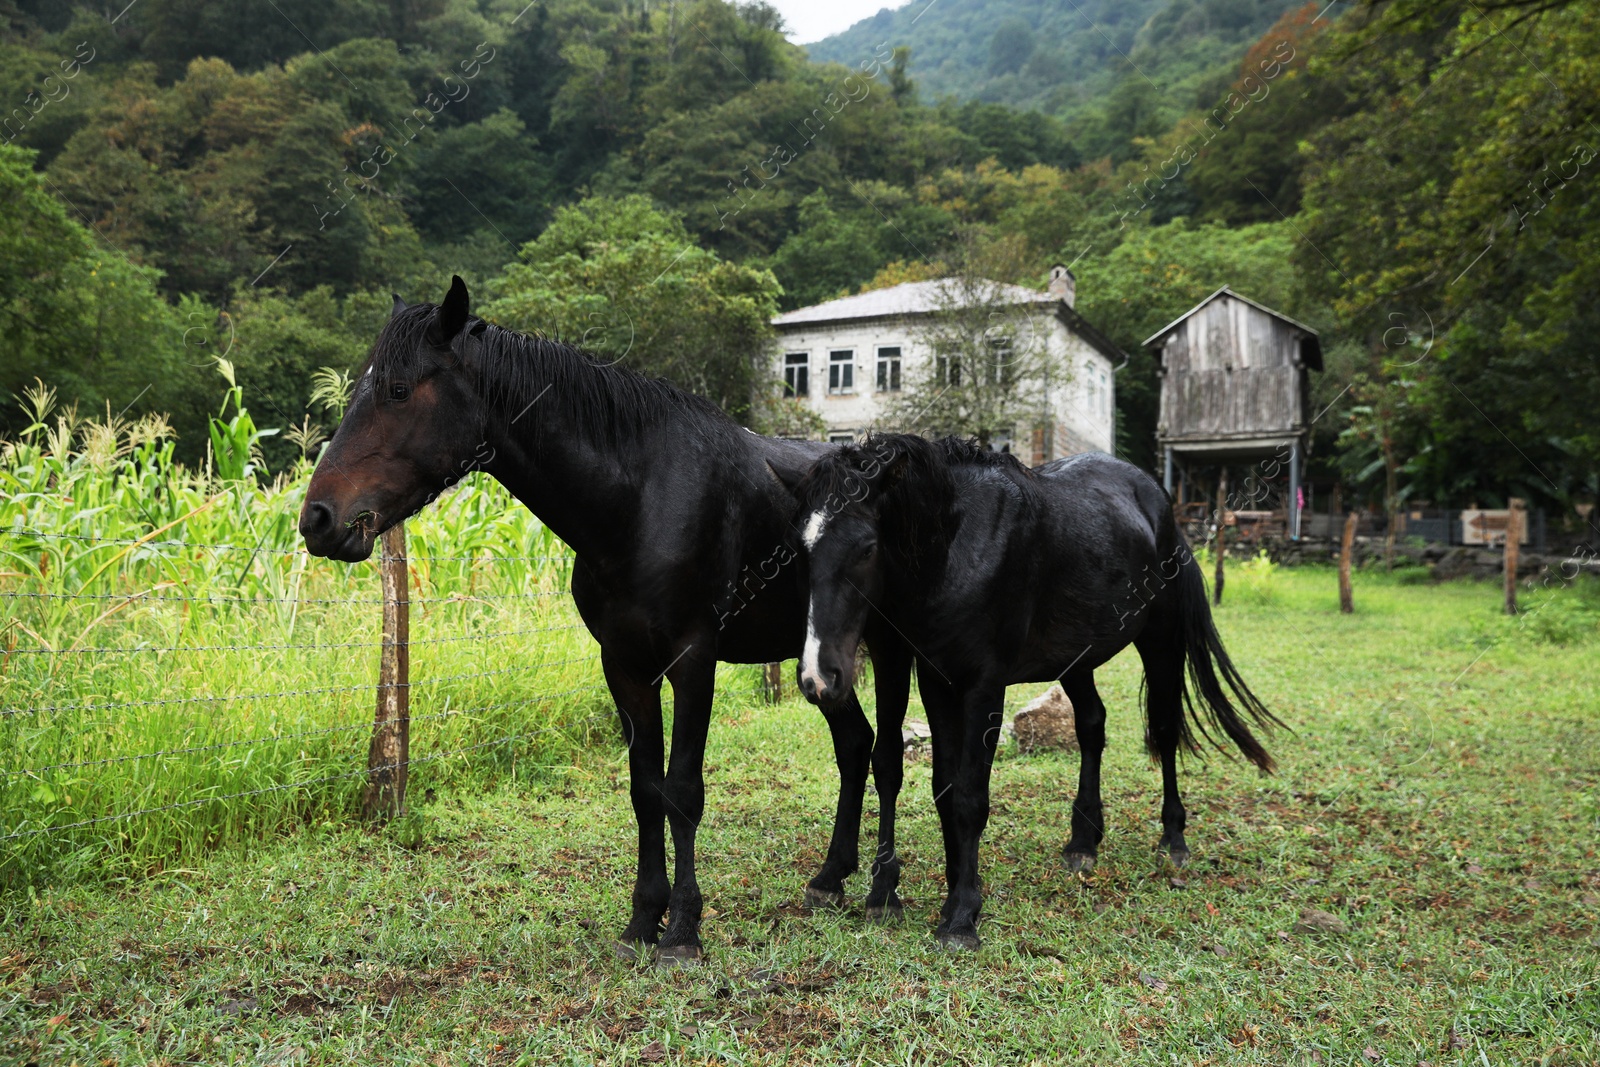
(885, 914)
(629, 951)
(823, 898)
(1079, 862)
(672, 957)
(952, 942)
(1178, 857)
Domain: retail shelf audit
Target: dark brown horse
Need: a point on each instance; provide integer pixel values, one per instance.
(679, 521)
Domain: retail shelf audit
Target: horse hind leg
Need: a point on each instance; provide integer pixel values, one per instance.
(1088, 812)
(1163, 672)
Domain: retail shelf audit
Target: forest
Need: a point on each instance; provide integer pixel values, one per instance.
(185, 181)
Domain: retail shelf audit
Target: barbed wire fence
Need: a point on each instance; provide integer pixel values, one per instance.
(72, 698)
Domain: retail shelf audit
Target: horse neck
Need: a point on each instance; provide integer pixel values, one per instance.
(577, 477)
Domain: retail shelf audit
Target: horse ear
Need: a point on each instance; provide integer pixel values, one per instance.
(453, 311)
(790, 478)
(894, 469)
(399, 305)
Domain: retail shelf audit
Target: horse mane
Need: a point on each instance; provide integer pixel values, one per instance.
(911, 479)
(515, 369)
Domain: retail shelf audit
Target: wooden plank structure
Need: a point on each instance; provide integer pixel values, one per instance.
(1236, 388)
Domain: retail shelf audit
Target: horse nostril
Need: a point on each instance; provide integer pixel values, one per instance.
(315, 519)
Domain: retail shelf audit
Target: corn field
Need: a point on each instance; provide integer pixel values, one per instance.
(177, 674)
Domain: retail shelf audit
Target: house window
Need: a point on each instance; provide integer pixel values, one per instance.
(841, 438)
(797, 374)
(842, 371)
(889, 369)
(949, 368)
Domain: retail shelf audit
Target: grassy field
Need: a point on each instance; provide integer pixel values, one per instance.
(1440, 796)
(167, 646)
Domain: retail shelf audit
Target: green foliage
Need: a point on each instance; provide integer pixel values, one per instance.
(1063, 59)
(279, 344)
(82, 316)
(234, 443)
(486, 174)
(109, 544)
(1463, 254)
(271, 191)
(832, 253)
(624, 279)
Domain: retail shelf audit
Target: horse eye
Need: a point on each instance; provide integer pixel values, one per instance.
(869, 549)
(399, 391)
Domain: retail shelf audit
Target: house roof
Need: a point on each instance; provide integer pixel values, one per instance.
(929, 297)
(1312, 350)
(910, 298)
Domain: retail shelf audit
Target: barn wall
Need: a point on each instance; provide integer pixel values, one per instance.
(1232, 369)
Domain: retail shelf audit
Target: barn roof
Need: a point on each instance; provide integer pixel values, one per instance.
(930, 297)
(1311, 350)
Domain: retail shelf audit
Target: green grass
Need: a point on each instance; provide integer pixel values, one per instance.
(1440, 794)
(166, 643)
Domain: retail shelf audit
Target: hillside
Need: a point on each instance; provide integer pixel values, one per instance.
(1059, 58)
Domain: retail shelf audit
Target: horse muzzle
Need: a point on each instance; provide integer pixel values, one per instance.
(326, 536)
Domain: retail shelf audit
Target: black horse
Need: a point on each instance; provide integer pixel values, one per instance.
(679, 521)
(996, 574)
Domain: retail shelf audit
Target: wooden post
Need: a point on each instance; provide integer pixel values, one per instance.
(1347, 546)
(1294, 490)
(1335, 508)
(1222, 536)
(1513, 549)
(389, 752)
(772, 683)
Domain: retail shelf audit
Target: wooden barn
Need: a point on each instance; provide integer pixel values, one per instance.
(1235, 391)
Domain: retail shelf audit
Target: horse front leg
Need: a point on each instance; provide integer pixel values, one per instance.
(891, 674)
(971, 719)
(693, 678)
(852, 745)
(639, 709)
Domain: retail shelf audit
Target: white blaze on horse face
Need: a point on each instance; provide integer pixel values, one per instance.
(809, 671)
(814, 527)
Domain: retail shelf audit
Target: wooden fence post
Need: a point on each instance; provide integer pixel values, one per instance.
(1513, 549)
(772, 682)
(1347, 546)
(1222, 536)
(390, 750)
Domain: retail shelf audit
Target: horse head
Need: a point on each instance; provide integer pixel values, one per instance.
(840, 520)
(415, 426)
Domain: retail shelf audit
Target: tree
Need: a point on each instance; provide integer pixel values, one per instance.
(830, 253)
(484, 175)
(1010, 46)
(624, 280)
(1457, 194)
(82, 317)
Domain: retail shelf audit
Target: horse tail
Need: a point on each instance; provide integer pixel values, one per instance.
(1212, 675)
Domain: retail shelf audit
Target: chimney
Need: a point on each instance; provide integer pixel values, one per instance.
(1063, 285)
